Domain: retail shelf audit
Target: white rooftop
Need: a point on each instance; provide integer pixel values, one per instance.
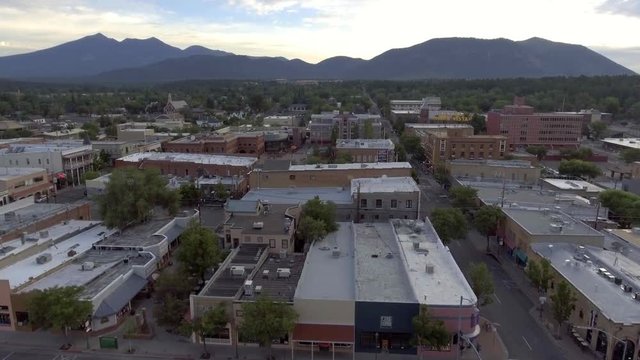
(299, 195)
(351, 166)
(204, 159)
(609, 298)
(564, 184)
(522, 164)
(446, 283)
(437, 126)
(61, 147)
(379, 269)
(386, 144)
(21, 272)
(633, 143)
(384, 184)
(326, 276)
(549, 222)
(7, 173)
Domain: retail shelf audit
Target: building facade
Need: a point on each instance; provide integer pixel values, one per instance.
(519, 171)
(523, 127)
(345, 125)
(384, 198)
(367, 150)
(20, 183)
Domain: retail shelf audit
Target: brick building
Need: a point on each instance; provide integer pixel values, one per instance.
(190, 165)
(281, 174)
(19, 183)
(523, 127)
(216, 143)
(367, 150)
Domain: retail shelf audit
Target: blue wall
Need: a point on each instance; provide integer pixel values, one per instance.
(368, 320)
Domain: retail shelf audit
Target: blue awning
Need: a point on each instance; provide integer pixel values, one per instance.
(113, 303)
(520, 255)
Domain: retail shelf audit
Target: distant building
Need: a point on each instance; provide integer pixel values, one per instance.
(219, 143)
(64, 134)
(174, 106)
(523, 127)
(367, 150)
(518, 171)
(414, 110)
(347, 126)
(117, 149)
(19, 183)
(281, 120)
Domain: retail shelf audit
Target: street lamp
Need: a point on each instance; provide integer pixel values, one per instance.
(462, 298)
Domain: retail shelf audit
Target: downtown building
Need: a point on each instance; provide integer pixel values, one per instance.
(346, 126)
(524, 127)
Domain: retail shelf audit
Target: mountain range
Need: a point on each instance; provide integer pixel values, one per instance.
(99, 59)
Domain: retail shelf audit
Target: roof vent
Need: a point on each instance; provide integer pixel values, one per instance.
(429, 268)
(265, 274)
(258, 225)
(86, 266)
(248, 287)
(43, 259)
(237, 270)
(555, 228)
(283, 273)
(44, 234)
(258, 289)
(389, 256)
(335, 252)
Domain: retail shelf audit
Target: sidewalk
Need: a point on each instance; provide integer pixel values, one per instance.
(491, 345)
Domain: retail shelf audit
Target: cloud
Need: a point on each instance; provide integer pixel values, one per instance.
(263, 7)
(621, 7)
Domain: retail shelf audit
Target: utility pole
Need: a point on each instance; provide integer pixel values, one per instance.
(595, 225)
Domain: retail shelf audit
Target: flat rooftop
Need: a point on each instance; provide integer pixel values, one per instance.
(580, 185)
(226, 284)
(108, 267)
(273, 222)
(609, 298)
(329, 276)
(445, 283)
(385, 144)
(204, 159)
(421, 126)
(293, 196)
(518, 195)
(633, 143)
(20, 217)
(273, 286)
(631, 236)
(520, 164)
(144, 235)
(547, 222)
(64, 148)
(352, 166)
(384, 185)
(22, 271)
(7, 173)
(380, 273)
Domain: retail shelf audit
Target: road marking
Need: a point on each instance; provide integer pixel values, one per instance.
(8, 356)
(526, 342)
(497, 298)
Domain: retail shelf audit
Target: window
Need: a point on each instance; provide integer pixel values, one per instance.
(5, 320)
(377, 217)
(104, 320)
(28, 162)
(285, 243)
(409, 204)
(272, 243)
(363, 203)
(378, 203)
(292, 177)
(186, 172)
(394, 204)
(22, 317)
(39, 161)
(247, 239)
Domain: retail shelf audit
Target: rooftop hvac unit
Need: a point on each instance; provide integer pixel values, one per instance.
(71, 253)
(237, 271)
(555, 228)
(617, 281)
(429, 268)
(258, 289)
(44, 234)
(636, 296)
(627, 288)
(10, 215)
(86, 266)
(265, 274)
(284, 273)
(283, 254)
(43, 259)
(248, 287)
(335, 252)
(258, 225)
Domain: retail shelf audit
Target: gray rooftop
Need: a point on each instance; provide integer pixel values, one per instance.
(241, 206)
(547, 222)
(30, 214)
(298, 195)
(7, 173)
(386, 144)
(273, 286)
(227, 285)
(273, 221)
(609, 298)
(523, 164)
(326, 275)
(146, 234)
(384, 184)
(379, 270)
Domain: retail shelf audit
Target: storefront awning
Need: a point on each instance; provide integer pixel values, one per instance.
(61, 176)
(323, 333)
(520, 255)
(121, 296)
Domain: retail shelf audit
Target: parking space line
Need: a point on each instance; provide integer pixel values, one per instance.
(497, 298)
(8, 356)
(526, 342)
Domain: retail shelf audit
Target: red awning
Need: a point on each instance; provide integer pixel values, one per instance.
(61, 175)
(323, 333)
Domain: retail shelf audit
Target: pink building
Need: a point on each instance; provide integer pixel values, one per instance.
(523, 127)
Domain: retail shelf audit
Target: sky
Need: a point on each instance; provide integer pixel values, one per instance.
(313, 30)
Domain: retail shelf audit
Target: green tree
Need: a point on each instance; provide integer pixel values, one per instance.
(220, 191)
(441, 174)
(91, 129)
(212, 322)
(630, 155)
(318, 219)
(199, 250)
(411, 143)
(368, 129)
(464, 198)
(582, 153)
(534, 273)
(597, 129)
(479, 124)
(312, 229)
(429, 332)
(90, 175)
(343, 158)
(401, 153)
(265, 320)
(481, 282)
(131, 194)
(625, 206)
(178, 284)
(579, 168)
(171, 311)
(189, 194)
(539, 151)
(487, 219)
(563, 303)
(59, 308)
(449, 223)
(546, 274)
